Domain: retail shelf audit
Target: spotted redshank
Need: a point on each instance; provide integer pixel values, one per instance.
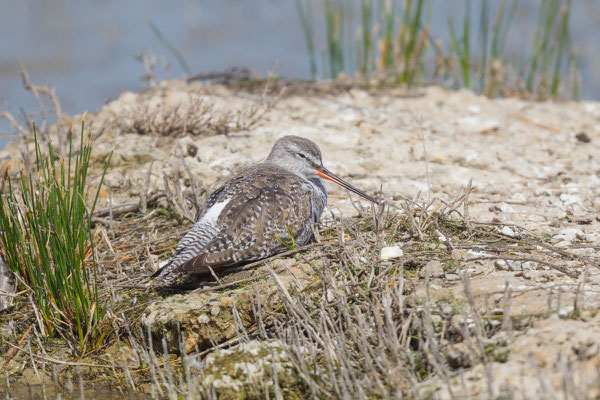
(254, 213)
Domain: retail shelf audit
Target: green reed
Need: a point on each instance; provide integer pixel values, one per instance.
(393, 37)
(46, 238)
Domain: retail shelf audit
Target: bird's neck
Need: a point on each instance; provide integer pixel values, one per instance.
(319, 184)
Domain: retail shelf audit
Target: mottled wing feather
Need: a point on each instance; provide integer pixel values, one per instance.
(259, 204)
(253, 220)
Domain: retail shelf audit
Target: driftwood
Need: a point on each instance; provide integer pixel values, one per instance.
(124, 208)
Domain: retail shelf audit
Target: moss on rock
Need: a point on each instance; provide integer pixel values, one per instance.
(252, 370)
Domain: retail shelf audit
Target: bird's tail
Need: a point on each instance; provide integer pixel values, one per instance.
(165, 276)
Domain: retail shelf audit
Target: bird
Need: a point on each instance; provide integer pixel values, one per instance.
(257, 213)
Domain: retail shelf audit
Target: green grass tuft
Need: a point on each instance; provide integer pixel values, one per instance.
(292, 244)
(46, 237)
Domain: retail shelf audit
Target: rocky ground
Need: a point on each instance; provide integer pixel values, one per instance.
(527, 327)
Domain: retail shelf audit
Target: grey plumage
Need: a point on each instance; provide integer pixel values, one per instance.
(254, 210)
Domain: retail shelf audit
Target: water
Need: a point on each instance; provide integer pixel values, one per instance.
(86, 49)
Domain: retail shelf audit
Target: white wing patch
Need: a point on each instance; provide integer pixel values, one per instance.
(202, 232)
(211, 216)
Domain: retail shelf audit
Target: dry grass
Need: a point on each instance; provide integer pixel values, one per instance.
(48, 104)
(357, 330)
(196, 115)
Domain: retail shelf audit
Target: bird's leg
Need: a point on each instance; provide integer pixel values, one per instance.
(315, 232)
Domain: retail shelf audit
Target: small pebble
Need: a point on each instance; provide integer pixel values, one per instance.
(203, 319)
(508, 231)
(434, 268)
(568, 235)
(502, 265)
(190, 345)
(583, 137)
(474, 109)
(390, 252)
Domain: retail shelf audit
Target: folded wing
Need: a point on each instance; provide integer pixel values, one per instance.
(253, 226)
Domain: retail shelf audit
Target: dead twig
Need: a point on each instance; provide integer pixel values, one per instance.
(526, 259)
(128, 207)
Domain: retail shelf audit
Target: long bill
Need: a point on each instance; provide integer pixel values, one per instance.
(326, 174)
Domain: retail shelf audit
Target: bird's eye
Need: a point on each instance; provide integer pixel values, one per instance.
(301, 155)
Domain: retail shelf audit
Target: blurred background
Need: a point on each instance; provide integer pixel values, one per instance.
(91, 51)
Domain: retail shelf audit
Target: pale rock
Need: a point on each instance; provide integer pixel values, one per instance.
(434, 268)
(474, 109)
(502, 265)
(569, 235)
(208, 317)
(452, 277)
(506, 230)
(248, 369)
(567, 200)
(391, 252)
(507, 208)
(478, 125)
(518, 197)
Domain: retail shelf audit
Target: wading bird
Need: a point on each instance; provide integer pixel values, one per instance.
(256, 212)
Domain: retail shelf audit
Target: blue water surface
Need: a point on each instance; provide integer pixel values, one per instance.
(86, 48)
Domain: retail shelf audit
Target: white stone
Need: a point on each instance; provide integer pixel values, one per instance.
(477, 252)
(474, 124)
(569, 234)
(507, 208)
(569, 200)
(474, 109)
(390, 252)
(518, 197)
(508, 231)
(203, 319)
